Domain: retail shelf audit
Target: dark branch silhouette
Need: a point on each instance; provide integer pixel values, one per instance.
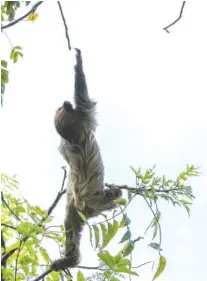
(65, 25)
(175, 21)
(22, 17)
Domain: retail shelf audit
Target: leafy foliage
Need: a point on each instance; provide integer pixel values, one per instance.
(25, 228)
(8, 13)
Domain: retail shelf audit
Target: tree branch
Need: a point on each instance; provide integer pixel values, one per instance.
(22, 17)
(59, 195)
(65, 25)
(51, 208)
(9, 226)
(179, 17)
(4, 201)
(42, 275)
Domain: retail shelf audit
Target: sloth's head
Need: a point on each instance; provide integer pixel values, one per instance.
(64, 119)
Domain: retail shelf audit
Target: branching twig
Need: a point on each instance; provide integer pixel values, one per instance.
(59, 195)
(23, 17)
(117, 213)
(65, 25)
(141, 189)
(9, 226)
(51, 208)
(179, 17)
(4, 201)
(142, 264)
(155, 217)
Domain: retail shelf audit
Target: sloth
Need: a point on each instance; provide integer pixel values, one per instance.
(85, 191)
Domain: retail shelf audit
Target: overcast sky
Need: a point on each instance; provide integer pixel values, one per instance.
(151, 92)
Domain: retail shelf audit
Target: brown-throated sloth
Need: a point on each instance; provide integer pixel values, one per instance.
(85, 192)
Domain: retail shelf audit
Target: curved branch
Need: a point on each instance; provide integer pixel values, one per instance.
(22, 17)
(179, 17)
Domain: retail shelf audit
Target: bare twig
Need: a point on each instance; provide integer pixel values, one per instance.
(4, 201)
(22, 17)
(64, 177)
(179, 17)
(155, 217)
(65, 25)
(142, 264)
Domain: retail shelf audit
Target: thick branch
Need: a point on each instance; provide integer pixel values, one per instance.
(179, 17)
(22, 17)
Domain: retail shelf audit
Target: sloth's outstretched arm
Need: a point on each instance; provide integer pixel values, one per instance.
(73, 228)
(85, 107)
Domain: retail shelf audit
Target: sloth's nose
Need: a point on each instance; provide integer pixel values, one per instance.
(67, 105)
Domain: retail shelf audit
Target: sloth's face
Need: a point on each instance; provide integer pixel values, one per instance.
(65, 119)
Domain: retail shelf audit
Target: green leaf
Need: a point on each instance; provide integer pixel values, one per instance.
(121, 201)
(97, 235)
(187, 209)
(124, 221)
(15, 57)
(18, 48)
(155, 246)
(32, 252)
(12, 53)
(127, 249)
(161, 267)
(91, 235)
(4, 63)
(107, 274)
(125, 270)
(38, 210)
(107, 259)
(104, 234)
(112, 230)
(25, 228)
(124, 262)
(80, 276)
(83, 217)
(114, 279)
(55, 276)
(155, 232)
(44, 254)
(127, 235)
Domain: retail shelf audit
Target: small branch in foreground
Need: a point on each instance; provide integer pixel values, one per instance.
(4, 201)
(9, 226)
(23, 17)
(51, 208)
(65, 25)
(59, 195)
(179, 17)
(42, 275)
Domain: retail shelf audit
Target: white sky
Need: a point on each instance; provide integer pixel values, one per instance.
(151, 90)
